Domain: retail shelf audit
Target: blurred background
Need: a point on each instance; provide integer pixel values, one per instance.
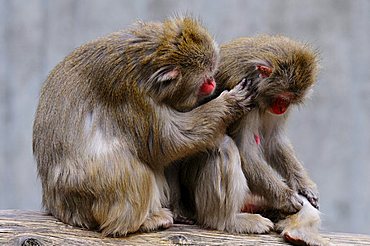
(331, 133)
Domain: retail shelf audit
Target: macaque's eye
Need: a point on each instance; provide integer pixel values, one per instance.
(264, 71)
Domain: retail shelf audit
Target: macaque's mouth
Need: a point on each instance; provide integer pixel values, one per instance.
(207, 87)
(279, 105)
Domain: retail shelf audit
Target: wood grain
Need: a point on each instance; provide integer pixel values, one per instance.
(37, 228)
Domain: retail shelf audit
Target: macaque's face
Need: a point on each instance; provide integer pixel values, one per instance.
(281, 70)
(187, 61)
(283, 86)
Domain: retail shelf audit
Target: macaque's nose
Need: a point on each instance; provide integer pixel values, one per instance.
(210, 80)
(208, 86)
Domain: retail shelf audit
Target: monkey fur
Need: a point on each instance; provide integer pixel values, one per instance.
(283, 72)
(302, 228)
(213, 192)
(118, 110)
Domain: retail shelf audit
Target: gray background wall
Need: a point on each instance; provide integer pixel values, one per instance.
(331, 133)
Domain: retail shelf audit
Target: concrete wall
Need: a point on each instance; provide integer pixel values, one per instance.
(331, 133)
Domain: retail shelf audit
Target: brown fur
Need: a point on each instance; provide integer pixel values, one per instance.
(115, 112)
(271, 169)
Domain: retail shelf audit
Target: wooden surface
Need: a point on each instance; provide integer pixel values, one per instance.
(36, 228)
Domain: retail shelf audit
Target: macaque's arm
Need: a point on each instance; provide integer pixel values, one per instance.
(282, 157)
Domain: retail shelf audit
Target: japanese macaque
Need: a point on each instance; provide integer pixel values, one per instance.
(283, 72)
(213, 191)
(119, 109)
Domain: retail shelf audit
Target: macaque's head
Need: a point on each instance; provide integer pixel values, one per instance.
(184, 59)
(281, 70)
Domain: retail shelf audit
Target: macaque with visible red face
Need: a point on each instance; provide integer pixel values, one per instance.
(118, 110)
(281, 72)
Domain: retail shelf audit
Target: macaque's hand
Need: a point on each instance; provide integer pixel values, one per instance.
(243, 94)
(308, 189)
(311, 194)
(292, 203)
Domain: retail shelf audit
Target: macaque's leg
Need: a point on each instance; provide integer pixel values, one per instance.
(138, 205)
(159, 217)
(219, 190)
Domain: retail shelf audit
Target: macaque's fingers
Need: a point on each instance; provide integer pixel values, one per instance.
(292, 204)
(296, 201)
(311, 196)
(245, 83)
(243, 95)
(250, 92)
(240, 86)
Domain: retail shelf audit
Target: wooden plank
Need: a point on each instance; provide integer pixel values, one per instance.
(37, 228)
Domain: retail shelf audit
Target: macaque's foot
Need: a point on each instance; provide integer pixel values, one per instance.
(161, 219)
(250, 223)
(312, 196)
(179, 219)
(292, 204)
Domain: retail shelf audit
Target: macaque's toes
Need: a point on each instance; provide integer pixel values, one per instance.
(179, 219)
(262, 225)
(251, 223)
(161, 219)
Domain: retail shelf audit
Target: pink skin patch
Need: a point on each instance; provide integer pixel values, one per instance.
(207, 87)
(279, 105)
(250, 208)
(292, 240)
(257, 139)
(265, 71)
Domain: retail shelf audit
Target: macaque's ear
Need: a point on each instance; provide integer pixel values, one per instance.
(166, 74)
(264, 71)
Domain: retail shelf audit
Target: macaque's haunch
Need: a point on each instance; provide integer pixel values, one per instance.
(116, 111)
(212, 189)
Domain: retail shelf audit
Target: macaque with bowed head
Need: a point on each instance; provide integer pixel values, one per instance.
(213, 191)
(283, 71)
(118, 110)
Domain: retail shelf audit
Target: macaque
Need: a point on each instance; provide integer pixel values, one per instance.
(283, 71)
(118, 110)
(213, 192)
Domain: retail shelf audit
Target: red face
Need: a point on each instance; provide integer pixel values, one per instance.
(281, 103)
(207, 87)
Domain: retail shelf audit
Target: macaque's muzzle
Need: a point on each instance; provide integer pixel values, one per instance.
(207, 87)
(279, 105)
